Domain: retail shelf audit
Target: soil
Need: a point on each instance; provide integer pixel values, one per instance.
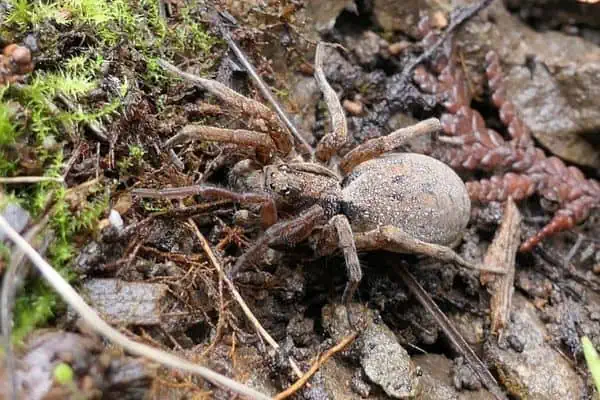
(153, 278)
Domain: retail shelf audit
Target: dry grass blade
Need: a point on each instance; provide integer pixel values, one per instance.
(315, 367)
(238, 298)
(501, 254)
(265, 90)
(31, 179)
(93, 320)
(450, 331)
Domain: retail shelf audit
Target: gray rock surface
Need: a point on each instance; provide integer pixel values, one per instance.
(526, 365)
(384, 361)
(437, 383)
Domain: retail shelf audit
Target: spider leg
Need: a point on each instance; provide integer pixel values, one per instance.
(288, 233)
(268, 209)
(259, 112)
(261, 142)
(346, 243)
(394, 239)
(334, 140)
(211, 133)
(378, 146)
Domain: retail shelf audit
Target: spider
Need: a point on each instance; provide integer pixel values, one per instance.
(369, 199)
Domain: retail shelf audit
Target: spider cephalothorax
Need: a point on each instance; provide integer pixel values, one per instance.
(365, 200)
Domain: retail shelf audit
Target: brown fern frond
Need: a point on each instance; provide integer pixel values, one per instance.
(500, 188)
(519, 168)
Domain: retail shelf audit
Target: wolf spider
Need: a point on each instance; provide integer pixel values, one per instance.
(400, 202)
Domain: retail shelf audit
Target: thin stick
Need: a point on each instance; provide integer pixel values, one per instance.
(264, 89)
(32, 179)
(16, 269)
(93, 320)
(236, 295)
(453, 335)
(315, 367)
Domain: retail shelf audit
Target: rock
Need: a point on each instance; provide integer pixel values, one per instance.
(325, 13)
(437, 382)
(338, 381)
(127, 303)
(534, 370)
(384, 361)
(404, 16)
(16, 216)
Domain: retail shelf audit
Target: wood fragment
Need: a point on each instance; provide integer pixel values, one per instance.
(502, 254)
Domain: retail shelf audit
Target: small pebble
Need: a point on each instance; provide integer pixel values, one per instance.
(353, 107)
(396, 48)
(115, 220)
(439, 20)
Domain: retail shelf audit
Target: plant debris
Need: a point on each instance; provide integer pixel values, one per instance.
(93, 113)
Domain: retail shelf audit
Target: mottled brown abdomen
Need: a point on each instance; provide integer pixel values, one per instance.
(414, 192)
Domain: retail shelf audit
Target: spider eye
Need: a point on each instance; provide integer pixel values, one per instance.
(284, 168)
(286, 191)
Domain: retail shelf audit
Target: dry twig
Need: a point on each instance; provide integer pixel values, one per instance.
(259, 328)
(93, 320)
(315, 367)
(453, 335)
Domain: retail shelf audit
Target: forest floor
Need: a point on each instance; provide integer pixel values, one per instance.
(92, 118)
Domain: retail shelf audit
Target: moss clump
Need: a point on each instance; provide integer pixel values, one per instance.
(38, 302)
(36, 128)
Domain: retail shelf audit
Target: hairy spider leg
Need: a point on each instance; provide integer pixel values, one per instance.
(261, 117)
(334, 140)
(375, 147)
(392, 238)
(268, 209)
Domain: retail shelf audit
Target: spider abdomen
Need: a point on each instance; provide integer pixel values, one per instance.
(414, 192)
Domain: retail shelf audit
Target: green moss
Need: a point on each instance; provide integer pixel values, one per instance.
(111, 22)
(34, 306)
(136, 26)
(8, 136)
(132, 161)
